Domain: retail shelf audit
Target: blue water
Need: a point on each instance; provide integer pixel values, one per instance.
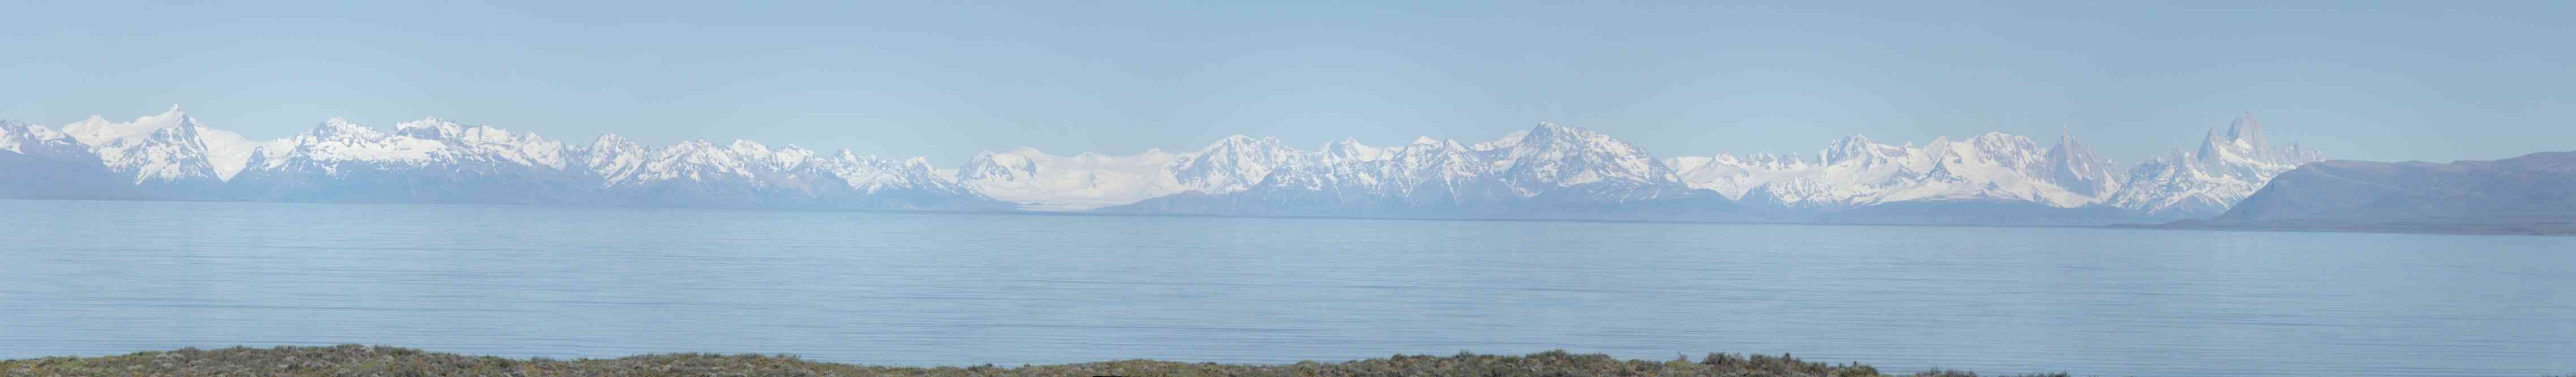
(99, 278)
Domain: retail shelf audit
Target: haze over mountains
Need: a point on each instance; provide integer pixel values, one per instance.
(1547, 171)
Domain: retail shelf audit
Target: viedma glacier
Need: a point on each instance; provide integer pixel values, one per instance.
(1548, 171)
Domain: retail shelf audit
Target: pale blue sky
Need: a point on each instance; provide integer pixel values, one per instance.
(2395, 81)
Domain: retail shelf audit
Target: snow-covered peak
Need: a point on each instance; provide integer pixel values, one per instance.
(1732, 175)
(166, 146)
(1351, 150)
(429, 127)
(1508, 140)
(1082, 181)
(169, 154)
(791, 156)
(1240, 142)
(1857, 147)
(2243, 151)
(748, 148)
(425, 143)
(1232, 164)
(97, 129)
(1855, 171)
(610, 139)
(33, 139)
(1551, 157)
(340, 128)
(2227, 167)
(2077, 168)
(1552, 139)
(2244, 132)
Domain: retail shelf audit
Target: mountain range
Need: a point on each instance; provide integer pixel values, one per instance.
(1547, 171)
(172, 156)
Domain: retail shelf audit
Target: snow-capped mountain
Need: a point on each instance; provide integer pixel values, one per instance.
(173, 156)
(1233, 164)
(1349, 178)
(186, 143)
(1547, 166)
(1993, 177)
(39, 141)
(1579, 165)
(1545, 171)
(2202, 183)
(747, 173)
(40, 162)
(1070, 183)
(1855, 172)
(1426, 173)
(1041, 181)
(424, 161)
(2075, 167)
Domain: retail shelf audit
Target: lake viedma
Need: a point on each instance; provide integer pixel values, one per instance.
(966, 289)
(1720, 189)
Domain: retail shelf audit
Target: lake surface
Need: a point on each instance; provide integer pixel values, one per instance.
(100, 278)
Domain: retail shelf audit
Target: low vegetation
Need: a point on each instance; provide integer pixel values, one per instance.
(355, 360)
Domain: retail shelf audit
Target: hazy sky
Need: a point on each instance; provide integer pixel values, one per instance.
(2410, 80)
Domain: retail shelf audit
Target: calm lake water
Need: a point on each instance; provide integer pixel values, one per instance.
(100, 278)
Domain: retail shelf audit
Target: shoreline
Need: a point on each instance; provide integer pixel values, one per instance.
(354, 359)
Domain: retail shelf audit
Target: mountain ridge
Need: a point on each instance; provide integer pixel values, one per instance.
(1545, 171)
(2529, 194)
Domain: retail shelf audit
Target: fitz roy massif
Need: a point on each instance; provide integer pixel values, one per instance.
(1548, 171)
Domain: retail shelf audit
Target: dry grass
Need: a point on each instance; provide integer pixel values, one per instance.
(355, 360)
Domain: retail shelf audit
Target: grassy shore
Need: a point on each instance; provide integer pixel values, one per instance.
(355, 360)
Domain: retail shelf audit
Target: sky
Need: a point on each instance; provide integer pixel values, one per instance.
(2435, 81)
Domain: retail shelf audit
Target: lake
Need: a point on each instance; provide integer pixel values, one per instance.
(100, 278)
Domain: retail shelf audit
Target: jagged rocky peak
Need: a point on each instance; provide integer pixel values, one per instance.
(2246, 131)
(2077, 168)
(2226, 168)
(2245, 144)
